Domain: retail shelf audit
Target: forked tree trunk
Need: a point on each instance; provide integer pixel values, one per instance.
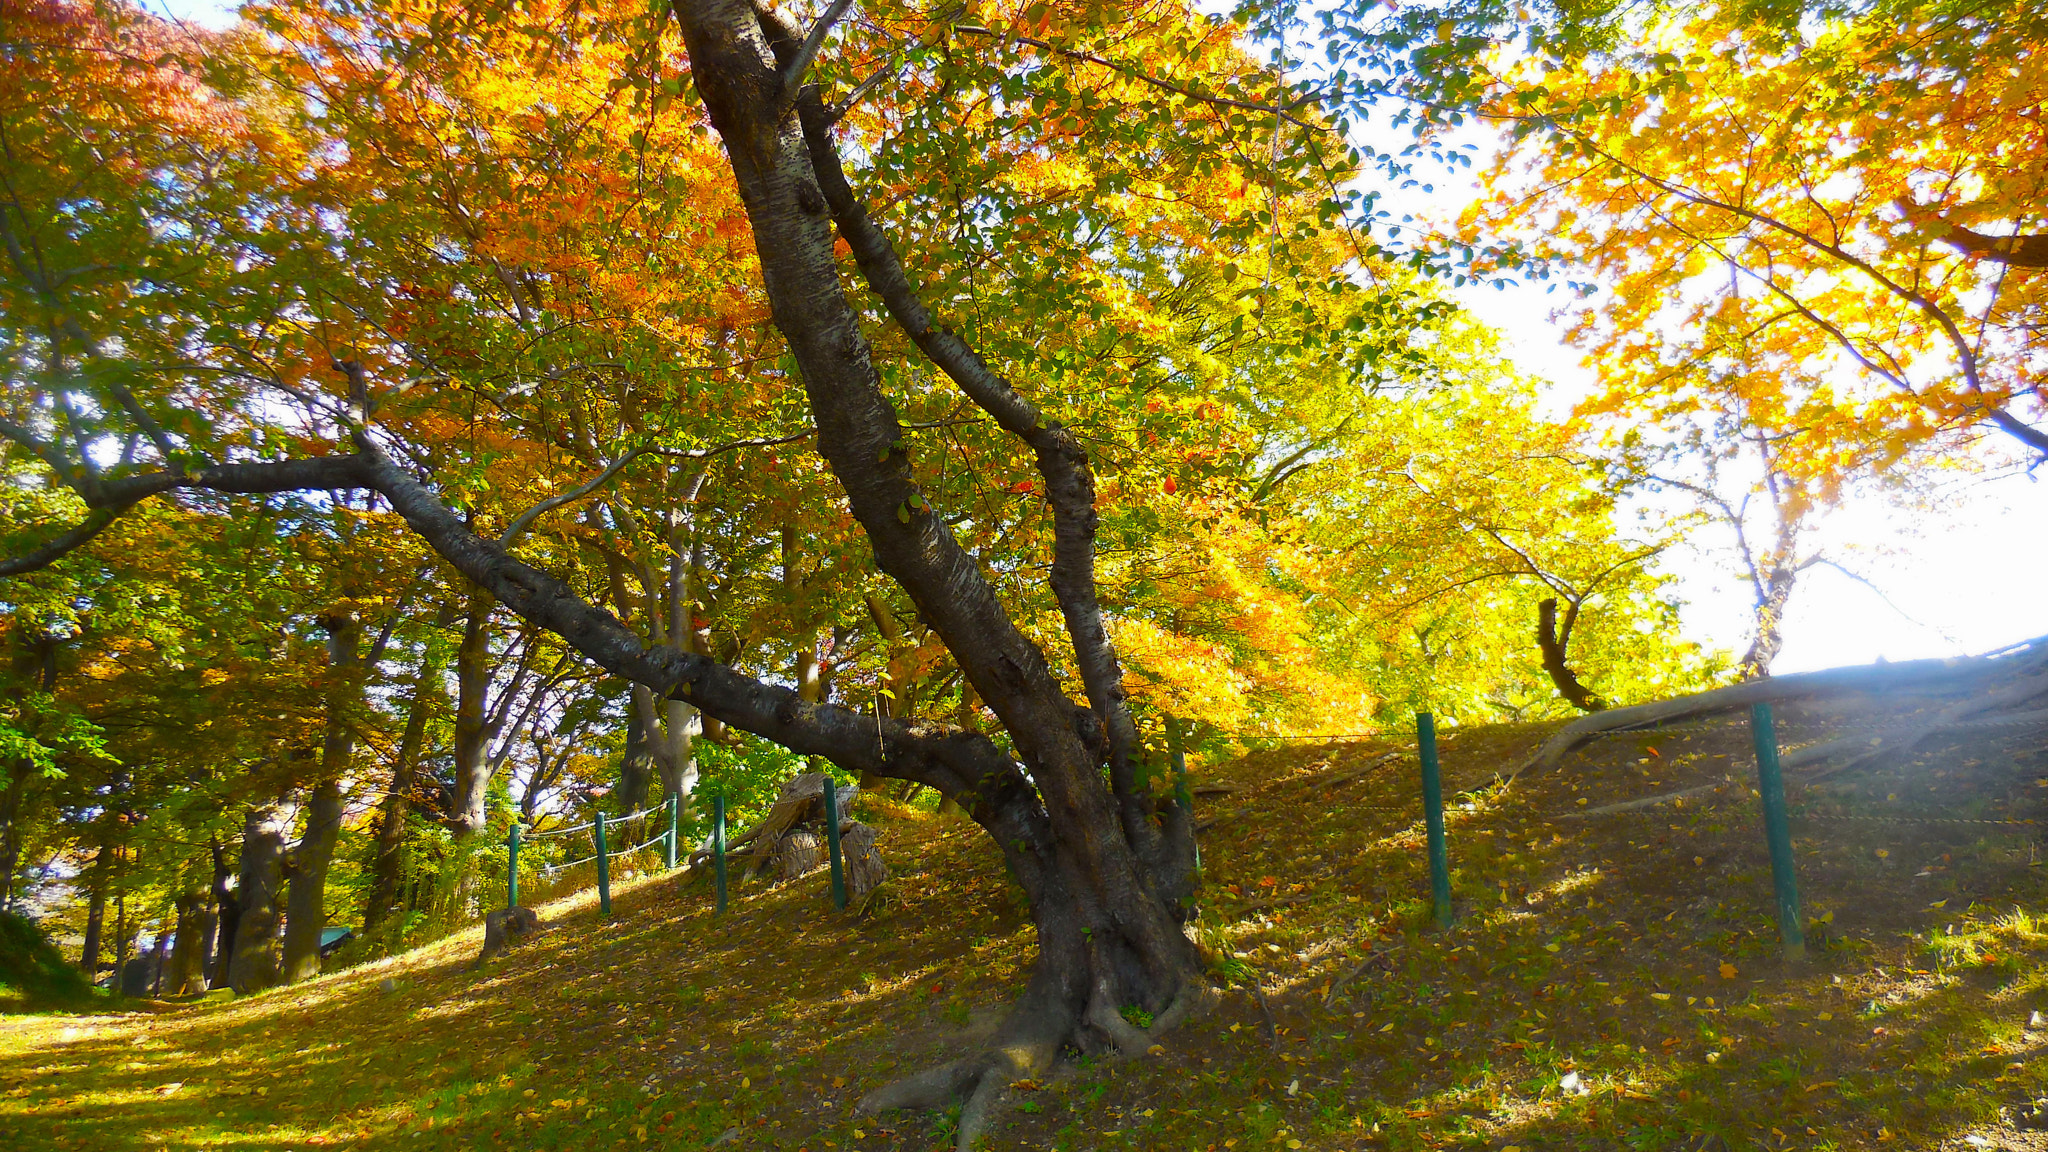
(306, 915)
(1553, 642)
(253, 963)
(1104, 867)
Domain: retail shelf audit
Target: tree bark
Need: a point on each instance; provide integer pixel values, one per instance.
(253, 963)
(636, 764)
(156, 963)
(124, 938)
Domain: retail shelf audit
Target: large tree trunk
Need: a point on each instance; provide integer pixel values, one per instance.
(386, 865)
(306, 914)
(472, 731)
(306, 902)
(1103, 875)
(636, 764)
(227, 921)
(253, 962)
(187, 970)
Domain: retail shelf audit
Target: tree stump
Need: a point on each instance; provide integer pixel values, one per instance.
(797, 853)
(506, 928)
(865, 869)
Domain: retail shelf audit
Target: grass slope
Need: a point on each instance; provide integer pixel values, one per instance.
(1612, 982)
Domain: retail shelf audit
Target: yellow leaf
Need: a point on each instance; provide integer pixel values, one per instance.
(1727, 971)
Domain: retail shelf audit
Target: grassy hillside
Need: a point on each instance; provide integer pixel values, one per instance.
(1611, 982)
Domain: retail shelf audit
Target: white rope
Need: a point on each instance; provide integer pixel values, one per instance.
(636, 815)
(637, 847)
(551, 869)
(553, 832)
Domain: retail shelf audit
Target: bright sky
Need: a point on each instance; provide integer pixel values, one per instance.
(1966, 581)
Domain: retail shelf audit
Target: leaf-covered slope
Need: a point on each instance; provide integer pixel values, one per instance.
(1612, 982)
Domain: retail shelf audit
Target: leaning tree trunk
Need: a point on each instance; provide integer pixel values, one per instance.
(306, 915)
(253, 962)
(1106, 861)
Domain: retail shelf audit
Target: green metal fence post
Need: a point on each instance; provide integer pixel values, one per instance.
(604, 870)
(1181, 796)
(668, 855)
(718, 846)
(512, 868)
(1433, 817)
(832, 843)
(1770, 786)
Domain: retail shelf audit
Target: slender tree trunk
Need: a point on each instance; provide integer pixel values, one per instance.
(1775, 591)
(306, 915)
(253, 963)
(156, 962)
(386, 866)
(95, 914)
(187, 975)
(472, 731)
(227, 921)
(124, 939)
(12, 798)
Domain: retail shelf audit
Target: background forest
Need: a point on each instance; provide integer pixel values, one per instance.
(504, 244)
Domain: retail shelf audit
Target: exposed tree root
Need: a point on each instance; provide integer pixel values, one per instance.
(1835, 680)
(1025, 1048)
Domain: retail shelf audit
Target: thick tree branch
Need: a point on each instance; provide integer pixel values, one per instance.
(1070, 481)
(2018, 251)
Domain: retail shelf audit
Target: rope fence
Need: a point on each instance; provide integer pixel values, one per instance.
(603, 854)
